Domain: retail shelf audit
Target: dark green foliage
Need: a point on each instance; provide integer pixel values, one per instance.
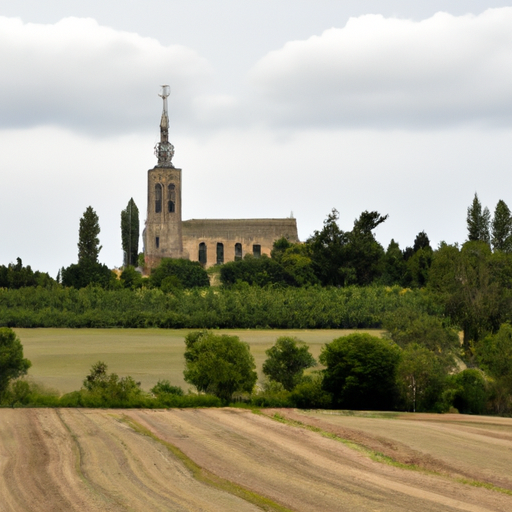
(474, 286)
(421, 242)
(421, 378)
(164, 387)
(130, 233)
(327, 248)
(478, 221)
(296, 261)
(262, 271)
(88, 270)
(309, 394)
(272, 395)
(12, 363)
(494, 353)
(407, 326)
(131, 279)
(418, 268)
(88, 241)
(179, 273)
(219, 365)
(360, 372)
(343, 258)
(502, 228)
(241, 307)
(394, 265)
(287, 360)
(80, 275)
(109, 389)
(17, 276)
(471, 391)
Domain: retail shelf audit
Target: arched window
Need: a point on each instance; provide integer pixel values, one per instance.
(158, 198)
(171, 203)
(202, 253)
(220, 253)
(238, 252)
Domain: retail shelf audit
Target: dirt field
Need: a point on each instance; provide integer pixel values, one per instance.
(235, 460)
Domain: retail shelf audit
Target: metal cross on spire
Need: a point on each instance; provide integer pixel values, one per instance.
(164, 150)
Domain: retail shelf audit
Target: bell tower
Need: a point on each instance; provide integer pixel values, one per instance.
(163, 236)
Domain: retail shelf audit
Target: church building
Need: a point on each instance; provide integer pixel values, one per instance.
(209, 241)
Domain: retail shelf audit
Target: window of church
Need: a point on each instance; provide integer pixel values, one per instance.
(220, 253)
(157, 242)
(256, 250)
(238, 252)
(171, 203)
(158, 198)
(202, 253)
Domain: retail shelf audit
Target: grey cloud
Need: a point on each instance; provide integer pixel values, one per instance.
(390, 72)
(84, 76)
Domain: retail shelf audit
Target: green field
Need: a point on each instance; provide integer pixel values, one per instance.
(61, 358)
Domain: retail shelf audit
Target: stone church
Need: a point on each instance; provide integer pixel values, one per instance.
(209, 241)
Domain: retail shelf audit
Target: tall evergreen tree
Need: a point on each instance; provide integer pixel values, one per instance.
(502, 228)
(88, 242)
(478, 222)
(421, 242)
(130, 233)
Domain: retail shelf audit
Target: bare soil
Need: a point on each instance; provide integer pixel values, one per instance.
(68, 459)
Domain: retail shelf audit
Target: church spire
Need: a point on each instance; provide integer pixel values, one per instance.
(164, 150)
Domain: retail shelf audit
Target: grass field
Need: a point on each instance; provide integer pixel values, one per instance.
(61, 358)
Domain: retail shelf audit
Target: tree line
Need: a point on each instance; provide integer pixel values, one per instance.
(358, 371)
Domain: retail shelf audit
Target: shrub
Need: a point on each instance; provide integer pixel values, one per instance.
(287, 360)
(164, 387)
(471, 391)
(220, 365)
(360, 372)
(309, 394)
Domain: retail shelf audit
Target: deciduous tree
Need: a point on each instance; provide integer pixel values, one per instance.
(12, 363)
(287, 360)
(360, 371)
(219, 364)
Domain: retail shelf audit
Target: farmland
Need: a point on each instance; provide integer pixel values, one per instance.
(61, 358)
(233, 459)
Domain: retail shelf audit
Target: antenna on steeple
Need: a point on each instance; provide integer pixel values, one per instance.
(164, 150)
(166, 91)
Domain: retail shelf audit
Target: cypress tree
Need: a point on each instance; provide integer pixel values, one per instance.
(88, 242)
(130, 233)
(478, 222)
(502, 228)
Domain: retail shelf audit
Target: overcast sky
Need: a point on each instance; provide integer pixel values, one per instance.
(276, 106)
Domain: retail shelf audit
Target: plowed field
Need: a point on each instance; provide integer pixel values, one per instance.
(235, 460)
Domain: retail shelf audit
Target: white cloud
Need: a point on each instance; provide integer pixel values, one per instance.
(390, 72)
(76, 73)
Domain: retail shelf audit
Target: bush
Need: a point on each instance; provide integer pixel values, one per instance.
(164, 387)
(12, 363)
(219, 365)
(309, 394)
(287, 360)
(360, 372)
(179, 273)
(471, 392)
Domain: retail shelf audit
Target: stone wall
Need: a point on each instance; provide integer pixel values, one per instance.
(228, 232)
(162, 237)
